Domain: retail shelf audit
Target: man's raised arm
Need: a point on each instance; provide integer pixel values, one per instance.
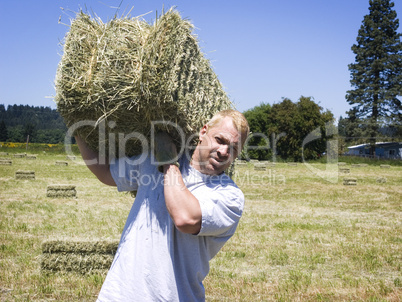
(91, 159)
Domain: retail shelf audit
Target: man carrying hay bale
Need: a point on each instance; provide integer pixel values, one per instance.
(181, 216)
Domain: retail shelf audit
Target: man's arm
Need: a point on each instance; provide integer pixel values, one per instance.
(183, 206)
(91, 159)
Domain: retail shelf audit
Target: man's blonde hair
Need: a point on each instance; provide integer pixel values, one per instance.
(238, 119)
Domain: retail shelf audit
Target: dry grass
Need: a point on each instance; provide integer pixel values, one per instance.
(303, 239)
(300, 239)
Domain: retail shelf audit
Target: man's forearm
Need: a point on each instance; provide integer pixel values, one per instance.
(89, 156)
(91, 159)
(183, 206)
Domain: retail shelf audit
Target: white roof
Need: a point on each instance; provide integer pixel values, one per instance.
(378, 143)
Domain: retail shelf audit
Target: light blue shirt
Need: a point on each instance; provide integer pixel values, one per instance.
(155, 261)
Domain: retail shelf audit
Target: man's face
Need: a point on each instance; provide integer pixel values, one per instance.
(218, 147)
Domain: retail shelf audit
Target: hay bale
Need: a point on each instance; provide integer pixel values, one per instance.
(20, 155)
(61, 163)
(6, 162)
(80, 257)
(80, 247)
(25, 175)
(133, 73)
(260, 167)
(341, 163)
(61, 191)
(385, 166)
(241, 163)
(356, 165)
(31, 156)
(3, 153)
(381, 180)
(344, 170)
(71, 157)
(83, 264)
(350, 181)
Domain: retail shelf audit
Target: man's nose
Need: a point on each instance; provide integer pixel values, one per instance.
(223, 150)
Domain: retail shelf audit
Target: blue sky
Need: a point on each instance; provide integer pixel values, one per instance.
(262, 51)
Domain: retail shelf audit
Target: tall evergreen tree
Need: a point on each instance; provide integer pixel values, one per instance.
(376, 75)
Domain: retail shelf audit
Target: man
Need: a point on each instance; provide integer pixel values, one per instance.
(180, 218)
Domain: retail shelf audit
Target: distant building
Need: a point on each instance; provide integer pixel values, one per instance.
(392, 150)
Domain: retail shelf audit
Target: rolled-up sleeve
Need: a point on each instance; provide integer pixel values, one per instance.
(221, 211)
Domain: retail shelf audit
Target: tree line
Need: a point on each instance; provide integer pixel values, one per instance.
(278, 130)
(39, 124)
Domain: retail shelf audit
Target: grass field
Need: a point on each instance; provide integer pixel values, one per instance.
(301, 238)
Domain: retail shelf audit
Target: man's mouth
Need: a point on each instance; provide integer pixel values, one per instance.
(216, 162)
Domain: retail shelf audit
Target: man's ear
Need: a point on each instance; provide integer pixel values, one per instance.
(203, 131)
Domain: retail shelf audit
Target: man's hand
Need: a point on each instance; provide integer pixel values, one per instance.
(165, 150)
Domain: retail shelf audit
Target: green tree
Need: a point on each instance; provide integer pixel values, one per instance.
(280, 129)
(3, 132)
(283, 117)
(16, 134)
(295, 121)
(258, 146)
(29, 131)
(376, 75)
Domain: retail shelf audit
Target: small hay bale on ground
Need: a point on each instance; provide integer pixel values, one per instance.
(260, 167)
(20, 155)
(6, 162)
(133, 73)
(31, 156)
(80, 247)
(241, 162)
(341, 163)
(77, 256)
(71, 157)
(61, 163)
(385, 166)
(382, 180)
(25, 175)
(61, 191)
(350, 181)
(344, 170)
(3, 153)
